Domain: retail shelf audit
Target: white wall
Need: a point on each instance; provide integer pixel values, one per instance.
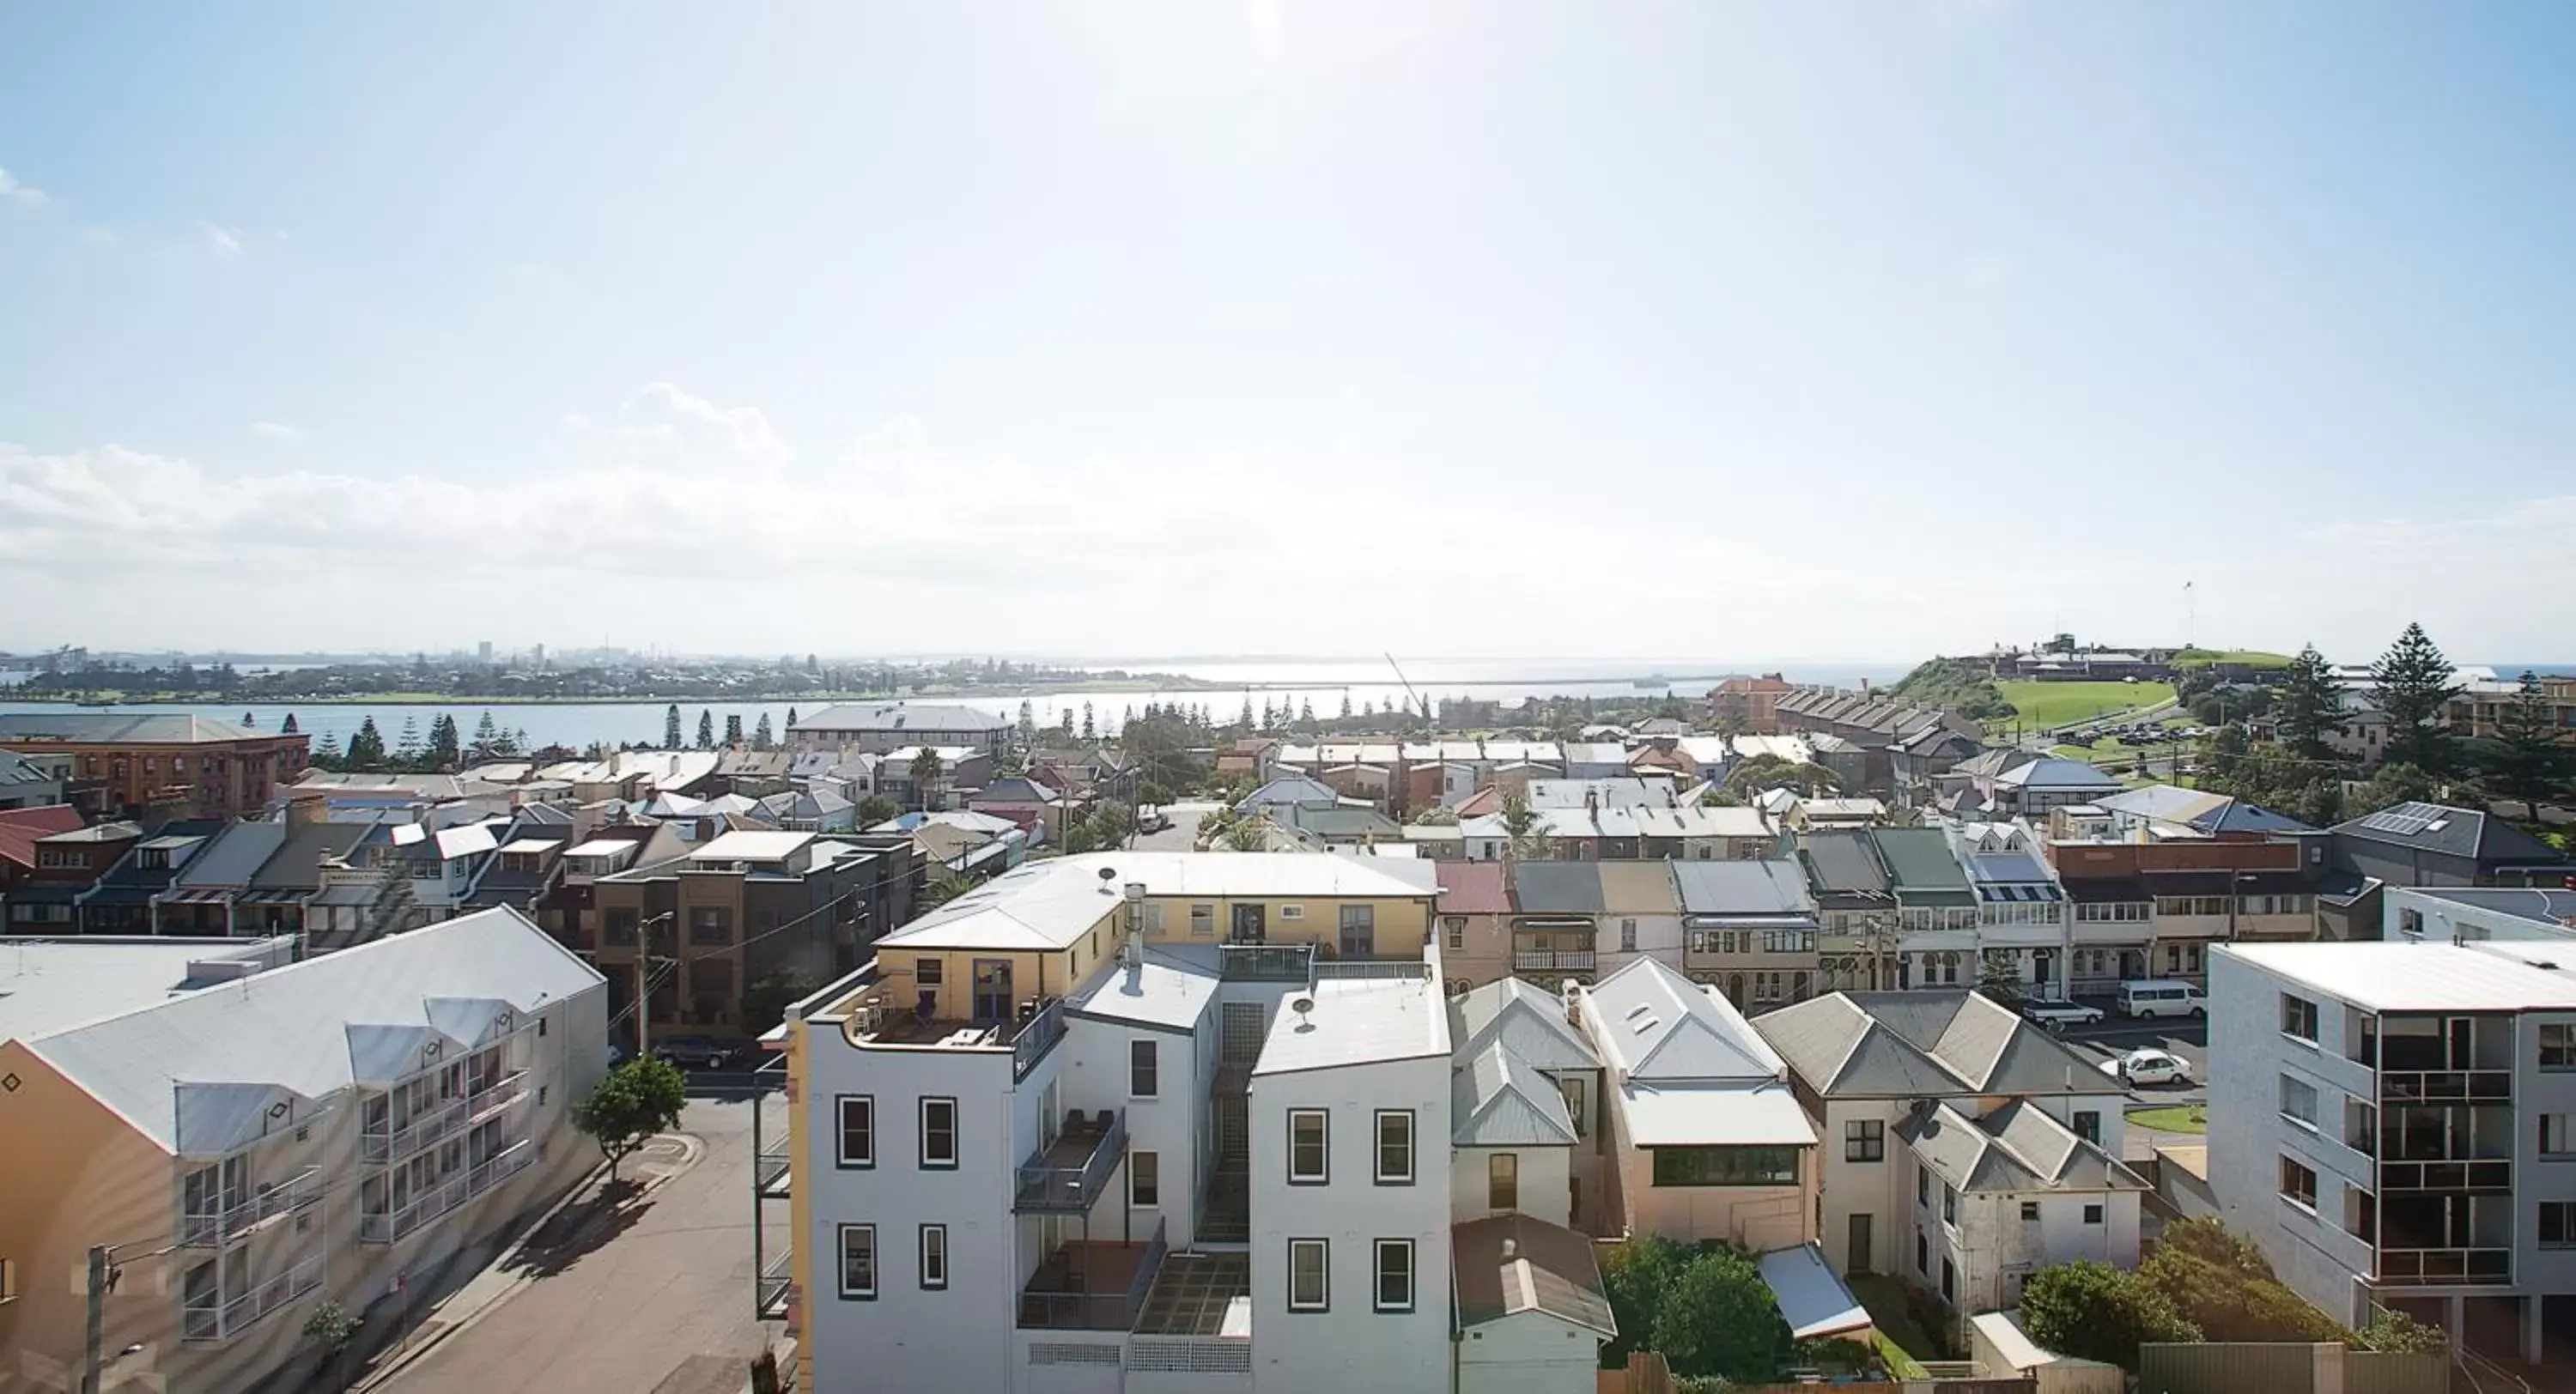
(1544, 1172)
(1095, 1076)
(1351, 1346)
(1529, 1353)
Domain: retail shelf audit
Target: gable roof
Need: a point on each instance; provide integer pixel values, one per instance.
(21, 827)
(901, 716)
(1920, 865)
(1638, 888)
(123, 728)
(1916, 1044)
(2017, 1148)
(1506, 1265)
(1499, 1100)
(1472, 888)
(2458, 832)
(1557, 888)
(1773, 888)
(1654, 1025)
(1528, 1020)
(1843, 861)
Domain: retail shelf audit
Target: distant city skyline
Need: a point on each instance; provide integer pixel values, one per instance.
(1852, 335)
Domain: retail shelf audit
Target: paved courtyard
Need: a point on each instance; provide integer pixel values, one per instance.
(662, 1306)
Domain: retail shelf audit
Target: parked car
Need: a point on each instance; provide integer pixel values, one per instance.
(2148, 1066)
(695, 1052)
(2154, 997)
(2056, 1013)
(1150, 818)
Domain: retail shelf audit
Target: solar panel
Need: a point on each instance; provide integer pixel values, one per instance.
(2405, 820)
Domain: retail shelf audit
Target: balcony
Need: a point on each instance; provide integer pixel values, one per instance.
(1554, 960)
(1068, 1175)
(1265, 963)
(499, 1167)
(2464, 1174)
(204, 1228)
(2444, 1267)
(1395, 969)
(777, 1278)
(1029, 1034)
(769, 1169)
(1091, 1285)
(2445, 1086)
(478, 1102)
(204, 1321)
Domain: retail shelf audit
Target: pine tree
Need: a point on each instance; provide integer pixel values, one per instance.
(407, 749)
(761, 739)
(791, 721)
(2412, 683)
(733, 729)
(1306, 713)
(2307, 703)
(487, 735)
(287, 728)
(1064, 723)
(1245, 721)
(671, 727)
(2533, 757)
(445, 747)
(328, 756)
(367, 748)
(1090, 732)
(706, 729)
(1346, 704)
(1028, 723)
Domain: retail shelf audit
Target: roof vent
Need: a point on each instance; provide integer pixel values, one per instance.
(1511, 1249)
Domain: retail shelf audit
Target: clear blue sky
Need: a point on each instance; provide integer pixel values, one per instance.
(1790, 330)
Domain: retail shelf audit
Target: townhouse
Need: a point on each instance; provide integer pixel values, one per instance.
(2154, 908)
(1965, 1148)
(26, 784)
(1751, 929)
(1526, 1129)
(1129, 1120)
(67, 864)
(1475, 914)
(276, 1133)
(20, 828)
(2395, 1125)
(1556, 920)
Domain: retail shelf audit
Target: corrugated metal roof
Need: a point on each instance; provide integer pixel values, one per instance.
(1496, 1100)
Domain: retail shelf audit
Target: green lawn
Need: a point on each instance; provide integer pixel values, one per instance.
(2251, 658)
(2180, 1118)
(2045, 704)
(1900, 1342)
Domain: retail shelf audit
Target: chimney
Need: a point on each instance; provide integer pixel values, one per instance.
(303, 810)
(1511, 1248)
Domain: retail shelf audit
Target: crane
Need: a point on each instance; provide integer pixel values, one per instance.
(1416, 697)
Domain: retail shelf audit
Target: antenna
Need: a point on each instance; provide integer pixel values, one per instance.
(1301, 1005)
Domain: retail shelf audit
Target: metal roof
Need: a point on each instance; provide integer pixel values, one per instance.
(1357, 1021)
(1498, 1100)
(1168, 987)
(1652, 1023)
(1774, 887)
(1528, 1020)
(1507, 1265)
(2398, 976)
(901, 716)
(124, 728)
(1049, 904)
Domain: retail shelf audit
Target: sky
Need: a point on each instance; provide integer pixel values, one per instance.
(1822, 331)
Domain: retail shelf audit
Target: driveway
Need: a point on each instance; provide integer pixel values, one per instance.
(663, 1306)
(1183, 832)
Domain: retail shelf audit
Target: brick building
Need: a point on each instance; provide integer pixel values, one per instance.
(179, 765)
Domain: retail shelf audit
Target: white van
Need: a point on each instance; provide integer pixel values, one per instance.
(2161, 997)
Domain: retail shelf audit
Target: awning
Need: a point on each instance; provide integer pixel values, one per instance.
(1685, 1114)
(1811, 1294)
(199, 895)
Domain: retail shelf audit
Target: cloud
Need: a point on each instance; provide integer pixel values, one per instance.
(1263, 16)
(275, 430)
(25, 196)
(224, 242)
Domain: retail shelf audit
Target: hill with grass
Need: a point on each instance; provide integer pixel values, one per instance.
(2185, 660)
(1962, 685)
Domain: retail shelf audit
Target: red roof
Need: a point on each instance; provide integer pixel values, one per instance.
(20, 827)
(1474, 888)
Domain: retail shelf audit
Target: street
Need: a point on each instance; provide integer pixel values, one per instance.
(663, 1306)
(2186, 1038)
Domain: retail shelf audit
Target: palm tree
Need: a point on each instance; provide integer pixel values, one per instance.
(944, 890)
(1250, 835)
(1523, 829)
(926, 770)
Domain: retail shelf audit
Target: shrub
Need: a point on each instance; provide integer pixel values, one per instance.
(2096, 1312)
(1722, 1319)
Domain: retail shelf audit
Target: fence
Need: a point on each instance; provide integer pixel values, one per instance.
(2259, 1367)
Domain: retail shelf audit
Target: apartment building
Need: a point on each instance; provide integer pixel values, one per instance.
(1706, 1139)
(67, 865)
(1964, 1147)
(183, 765)
(2395, 1125)
(257, 1135)
(2470, 914)
(1128, 1120)
(878, 727)
(740, 907)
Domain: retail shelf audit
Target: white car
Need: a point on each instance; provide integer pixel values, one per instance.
(2057, 1014)
(2148, 1067)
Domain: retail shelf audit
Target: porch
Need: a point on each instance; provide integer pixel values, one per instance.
(1092, 1284)
(1068, 1175)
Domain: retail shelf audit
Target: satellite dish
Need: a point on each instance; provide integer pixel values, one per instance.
(1301, 1005)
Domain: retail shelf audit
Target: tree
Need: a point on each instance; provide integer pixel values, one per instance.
(1524, 828)
(925, 771)
(733, 730)
(942, 891)
(706, 729)
(407, 747)
(446, 749)
(1636, 1276)
(639, 1098)
(2307, 703)
(1064, 723)
(367, 748)
(1720, 1318)
(2396, 1333)
(332, 1330)
(2390, 785)
(671, 727)
(875, 809)
(1716, 796)
(791, 721)
(1112, 821)
(487, 738)
(2412, 683)
(328, 757)
(1090, 733)
(765, 1002)
(1028, 723)
(287, 727)
(1249, 835)
(1245, 720)
(1346, 704)
(1436, 816)
(2096, 1312)
(1080, 838)
(761, 738)
(2532, 756)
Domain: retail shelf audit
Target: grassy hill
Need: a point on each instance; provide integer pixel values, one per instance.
(1955, 684)
(2188, 659)
(2044, 704)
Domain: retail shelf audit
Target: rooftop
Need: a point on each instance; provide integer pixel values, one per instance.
(2460, 832)
(1357, 1021)
(1922, 1044)
(1048, 905)
(751, 847)
(901, 716)
(1509, 1264)
(123, 728)
(1653, 1024)
(2538, 904)
(1169, 987)
(48, 985)
(2401, 977)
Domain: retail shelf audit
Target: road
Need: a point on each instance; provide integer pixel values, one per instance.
(1181, 834)
(2185, 1037)
(661, 1307)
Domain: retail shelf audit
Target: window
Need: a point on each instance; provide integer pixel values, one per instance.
(1153, 918)
(2088, 1125)
(1395, 1147)
(2298, 1184)
(1456, 925)
(1306, 1154)
(1922, 1253)
(2558, 1224)
(859, 1262)
(1503, 1181)
(1394, 1275)
(2093, 1214)
(2299, 1018)
(939, 1134)
(1577, 1107)
(934, 1257)
(2299, 1102)
(1726, 1166)
(1144, 1178)
(1922, 1188)
(2558, 1045)
(927, 972)
(1949, 1204)
(2555, 1139)
(858, 1130)
(1292, 912)
(1864, 1140)
(1307, 1288)
(1203, 922)
(2030, 1212)
(709, 924)
(1949, 1282)
(1627, 936)
(1144, 1070)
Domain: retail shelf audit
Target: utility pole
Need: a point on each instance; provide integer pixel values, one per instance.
(94, 1349)
(644, 981)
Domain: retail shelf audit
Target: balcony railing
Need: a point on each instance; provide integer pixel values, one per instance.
(1265, 963)
(1069, 1174)
(2464, 1175)
(499, 1167)
(1554, 960)
(222, 1321)
(1094, 1311)
(199, 1228)
(445, 1120)
(2414, 1267)
(1036, 1037)
(1382, 968)
(769, 1169)
(777, 1277)
(2446, 1086)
